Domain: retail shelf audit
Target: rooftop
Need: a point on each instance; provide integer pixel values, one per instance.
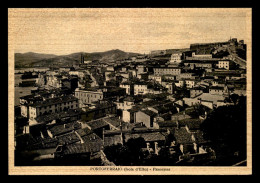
(182, 136)
(60, 115)
(57, 130)
(148, 137)
(52, 101)
(95, 124)
(149, 113)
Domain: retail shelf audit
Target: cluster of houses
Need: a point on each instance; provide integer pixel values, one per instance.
(81, 110)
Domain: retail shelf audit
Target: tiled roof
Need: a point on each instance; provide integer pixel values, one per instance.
(76, 149)
(182, 136)
(148, 137)
(97, 124)
(84, 131)
(60, 129)
(60, 115)
(199, 137)
(92, 137)
(31, 143)
(112, 140)
(149, 113)
(57, 100)
(114, 121)
(210, 97)
(68, 138)
(92, 143)
(191, 123)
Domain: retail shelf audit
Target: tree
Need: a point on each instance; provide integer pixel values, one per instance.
(198, 110)
(234, 98)
(128, 154)
(225, 127)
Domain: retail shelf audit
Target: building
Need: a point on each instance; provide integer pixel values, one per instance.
(52, 105)
(195, 92)
(167, 71)
(224, 64)
(192, 64)
(128, 87)
(175, 58)
(204, 56)
(65, 69)
(87, 97)
(140, 89)
(217, 90)
(126, 104)
(146, 117)
(99, 110)
(155, 78)
(110, 68)
(185, 76)
(190, 83)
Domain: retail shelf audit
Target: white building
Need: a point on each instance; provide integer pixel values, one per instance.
(80, 74)
(52, 105)
(175, 58)
(175, 71)
(155, 78)
(190, 83)
(205, 56)
(223, 64)
(140, 89)
(127, 87)
(88, 96)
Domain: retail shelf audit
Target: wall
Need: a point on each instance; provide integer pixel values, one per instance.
(87, 97)
(142, 117)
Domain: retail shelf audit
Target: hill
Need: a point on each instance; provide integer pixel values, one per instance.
(44, 60)
(30, 58)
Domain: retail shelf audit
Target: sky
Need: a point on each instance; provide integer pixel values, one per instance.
(66, 31)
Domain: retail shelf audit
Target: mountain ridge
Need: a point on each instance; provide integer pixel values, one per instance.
(30, 59)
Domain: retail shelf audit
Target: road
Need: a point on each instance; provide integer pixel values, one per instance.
(241, 62)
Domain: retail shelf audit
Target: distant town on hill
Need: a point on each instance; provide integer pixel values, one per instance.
(218, 50)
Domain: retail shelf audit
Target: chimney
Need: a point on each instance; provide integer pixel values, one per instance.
(156, 150)
(148, 146)
(103, 136)
(65, 126)
(121, 134)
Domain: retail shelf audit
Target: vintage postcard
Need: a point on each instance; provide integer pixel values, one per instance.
(130, 91)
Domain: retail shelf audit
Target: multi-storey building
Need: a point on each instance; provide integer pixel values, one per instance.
(223, 64)
(167, 71)
(176, 58)
(52, 105)
(88, 96)
(128, 87)
(140, 88)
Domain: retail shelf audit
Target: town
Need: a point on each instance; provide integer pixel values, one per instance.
(173, 107)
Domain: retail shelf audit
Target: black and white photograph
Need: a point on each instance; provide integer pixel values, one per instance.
(129, 90)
